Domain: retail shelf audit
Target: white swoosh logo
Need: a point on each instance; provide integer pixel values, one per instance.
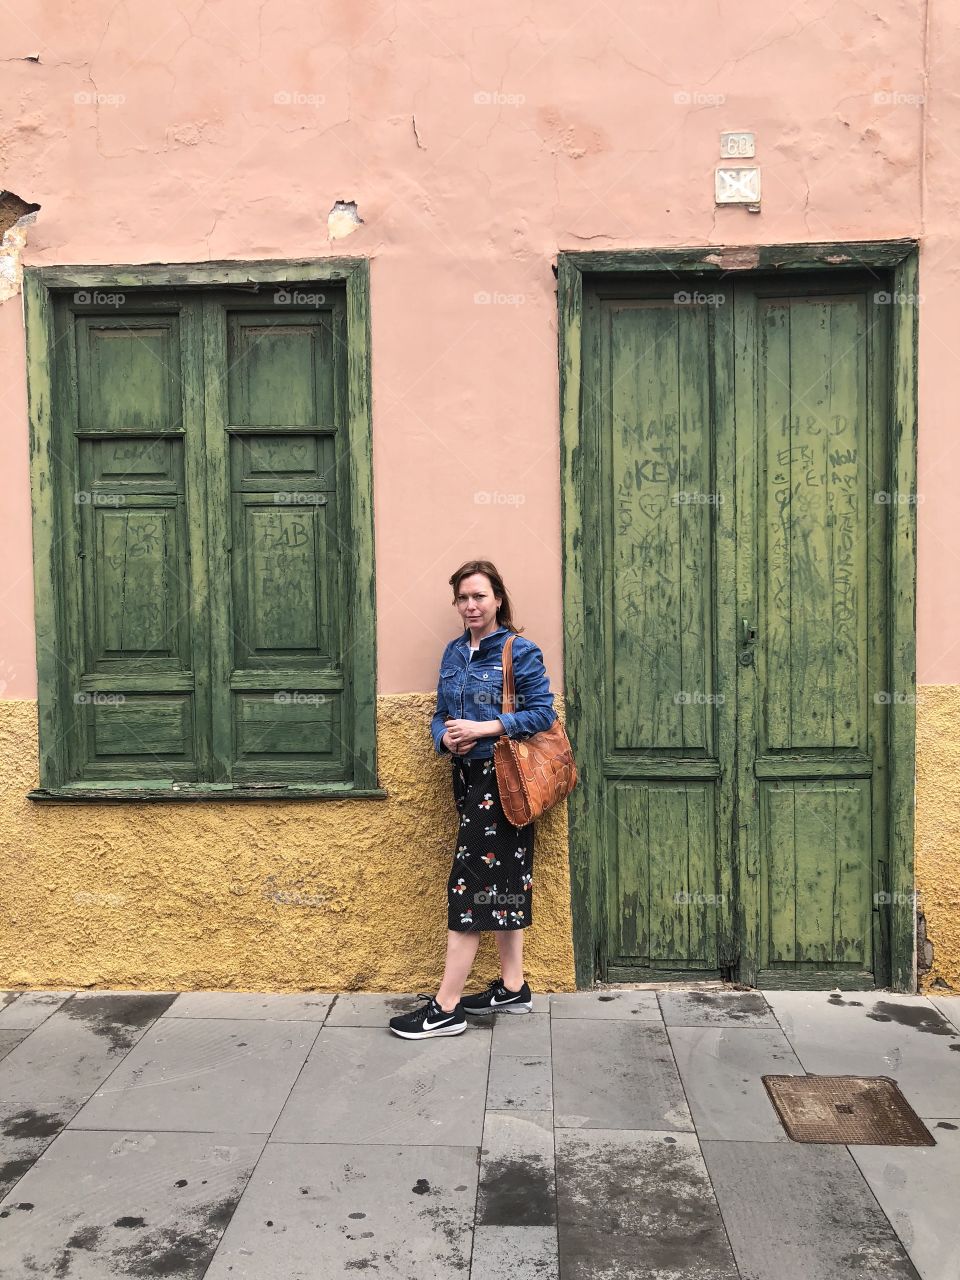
(507, 1001)
(429, 1026)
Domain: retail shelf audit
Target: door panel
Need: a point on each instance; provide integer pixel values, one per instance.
(741, 621)
(652, 912)
(812, 403)
(817, 906)
(658, 442)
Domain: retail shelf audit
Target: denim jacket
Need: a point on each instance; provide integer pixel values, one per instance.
(470, 687)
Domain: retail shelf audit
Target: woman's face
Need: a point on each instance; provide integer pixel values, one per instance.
(476, 602)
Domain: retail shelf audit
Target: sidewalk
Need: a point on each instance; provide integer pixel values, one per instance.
(618, 1133)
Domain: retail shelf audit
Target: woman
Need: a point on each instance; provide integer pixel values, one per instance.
(491, 882)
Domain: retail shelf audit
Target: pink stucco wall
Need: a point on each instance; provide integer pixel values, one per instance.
(603, 132)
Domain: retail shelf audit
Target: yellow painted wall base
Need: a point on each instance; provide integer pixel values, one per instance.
(938, 829)
(339, 895)
(333, 895)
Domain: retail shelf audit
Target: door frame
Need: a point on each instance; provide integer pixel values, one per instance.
(897, 265)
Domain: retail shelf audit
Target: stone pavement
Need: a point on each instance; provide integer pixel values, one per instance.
(611, 1133)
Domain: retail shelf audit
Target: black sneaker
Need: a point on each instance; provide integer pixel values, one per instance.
(497, 999)
(429, 1020)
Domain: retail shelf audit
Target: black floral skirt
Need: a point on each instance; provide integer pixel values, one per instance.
(491, 881)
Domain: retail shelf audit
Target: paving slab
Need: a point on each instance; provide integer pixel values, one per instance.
(118, 1017)
(202, 1075)
(46, 1078)
(251, 1004)
(716, 1009)
(639, 1006)
(522, 1082)
(917, 1190)
(9, 1040)
(802, 1211)
(98, 1205)
(949, 1006)
(522, 1253)
(27, 1009)
(637, 1205)
(368, 1010)
(517, 1184)
(876, 1033)
(721, 1070)
(316, 1211)
(515, 1033)
(612, 1073)
(365, 1085)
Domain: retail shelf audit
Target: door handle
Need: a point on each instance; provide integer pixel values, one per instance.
(748, 637)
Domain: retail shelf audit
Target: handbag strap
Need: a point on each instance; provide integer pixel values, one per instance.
(509, 699)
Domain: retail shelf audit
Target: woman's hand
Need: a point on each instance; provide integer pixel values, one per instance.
(460, 735)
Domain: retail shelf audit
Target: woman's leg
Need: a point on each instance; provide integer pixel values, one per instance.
(510, 946)
(461, 953)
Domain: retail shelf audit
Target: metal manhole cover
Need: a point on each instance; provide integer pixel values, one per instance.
(847, 1109)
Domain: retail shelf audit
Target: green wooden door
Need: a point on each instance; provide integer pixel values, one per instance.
(734, 442)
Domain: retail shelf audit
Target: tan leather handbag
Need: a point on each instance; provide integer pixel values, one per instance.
(535, 773)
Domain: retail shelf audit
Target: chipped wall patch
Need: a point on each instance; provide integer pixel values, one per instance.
(11, 261)
(16, 215)
(343, 219)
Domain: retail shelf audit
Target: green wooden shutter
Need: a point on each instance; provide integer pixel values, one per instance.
(275, 440)
(201, 477)
(129, 434)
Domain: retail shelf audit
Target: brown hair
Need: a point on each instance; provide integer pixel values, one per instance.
(504, 611)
